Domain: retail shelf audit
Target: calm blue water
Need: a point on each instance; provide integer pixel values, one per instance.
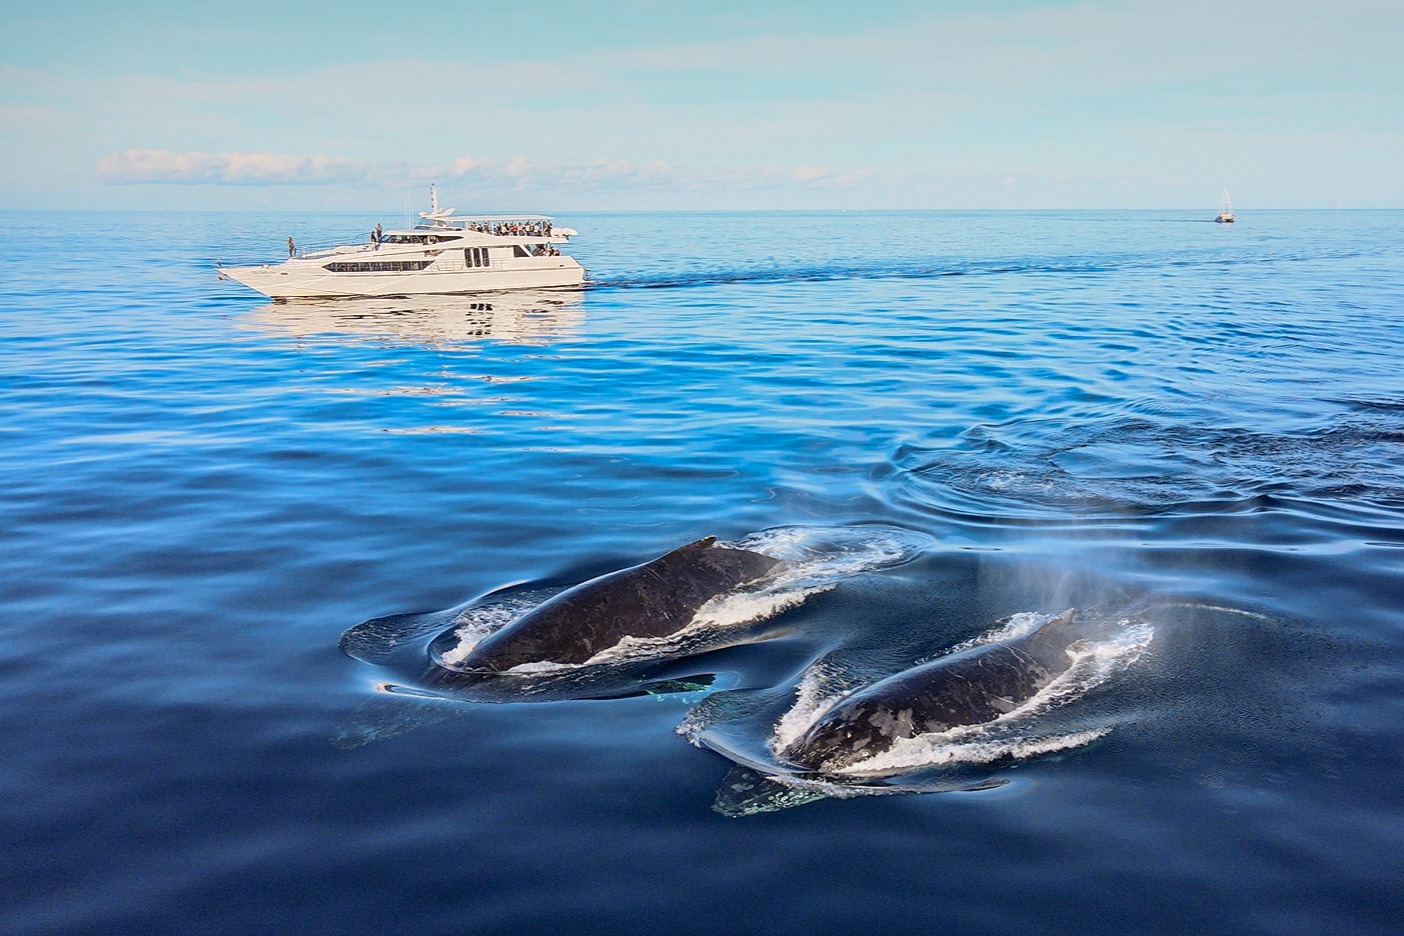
(202, 490)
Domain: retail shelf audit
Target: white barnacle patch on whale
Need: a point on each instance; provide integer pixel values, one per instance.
(473, 625)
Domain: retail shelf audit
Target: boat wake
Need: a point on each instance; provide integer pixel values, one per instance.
(928, 269)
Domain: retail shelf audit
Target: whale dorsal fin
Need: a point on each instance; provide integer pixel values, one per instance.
(1058, 629)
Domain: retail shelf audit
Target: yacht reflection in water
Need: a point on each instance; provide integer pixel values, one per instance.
(530, 317)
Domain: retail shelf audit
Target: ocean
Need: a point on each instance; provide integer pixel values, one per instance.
(949, 425)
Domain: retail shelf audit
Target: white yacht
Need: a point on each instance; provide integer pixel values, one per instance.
(444, 254)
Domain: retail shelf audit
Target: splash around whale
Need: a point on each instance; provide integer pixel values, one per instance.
(527, 641)
(973, 686)
(628, 633)
(1026, 689)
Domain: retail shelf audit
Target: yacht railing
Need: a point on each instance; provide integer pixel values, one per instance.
(334, 247)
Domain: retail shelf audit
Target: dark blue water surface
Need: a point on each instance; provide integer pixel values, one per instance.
(202, 490)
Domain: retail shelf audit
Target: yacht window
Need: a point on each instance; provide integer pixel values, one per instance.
(418, 238)
(519, 251)
(383, 266)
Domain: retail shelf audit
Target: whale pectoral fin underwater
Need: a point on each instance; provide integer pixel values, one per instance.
(393, 711)
(656, 599)
(747, 792)
(378, 640)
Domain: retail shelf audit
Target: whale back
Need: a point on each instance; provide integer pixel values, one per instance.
(971, 687)
(655, 599)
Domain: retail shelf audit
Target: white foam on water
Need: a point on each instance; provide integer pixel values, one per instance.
(745, 607)
(1010, 628)
(1222, 610)
(815, 555)
(476, 623)
(817, 692)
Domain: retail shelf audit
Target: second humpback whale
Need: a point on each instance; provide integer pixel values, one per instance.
(969, 687)
(656, 599)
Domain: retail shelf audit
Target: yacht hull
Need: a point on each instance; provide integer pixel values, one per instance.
(306, 280)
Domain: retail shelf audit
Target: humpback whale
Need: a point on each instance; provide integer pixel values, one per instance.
(656, 599)
(969, 687)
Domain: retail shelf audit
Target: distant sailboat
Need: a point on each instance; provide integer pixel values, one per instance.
(1225, 210)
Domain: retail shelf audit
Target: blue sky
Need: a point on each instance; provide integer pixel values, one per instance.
(555, 106)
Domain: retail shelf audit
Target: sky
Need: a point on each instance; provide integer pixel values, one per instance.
(555, 106)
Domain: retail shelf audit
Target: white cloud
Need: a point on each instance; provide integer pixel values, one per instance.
(1078, 103)
(161, 167)
(150, 166)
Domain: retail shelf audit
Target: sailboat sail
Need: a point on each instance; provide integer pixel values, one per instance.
(1225, 210)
